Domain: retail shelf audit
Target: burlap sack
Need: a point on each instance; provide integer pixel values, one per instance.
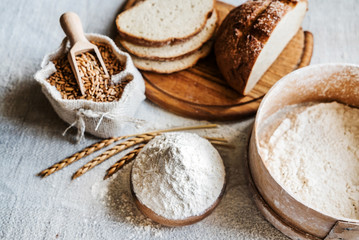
(102, 119)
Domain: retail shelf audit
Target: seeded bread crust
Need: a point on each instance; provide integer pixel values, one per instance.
(175, 65)
(242, 36)
(173, 51)
(128, 36)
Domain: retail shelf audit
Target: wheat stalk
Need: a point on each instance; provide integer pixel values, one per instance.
(113, 151)
(125, 159)
(77, 156)
(222, 144)
(216, 139)
(104, 143)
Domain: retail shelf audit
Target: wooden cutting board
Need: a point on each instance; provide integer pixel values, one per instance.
(201, 92)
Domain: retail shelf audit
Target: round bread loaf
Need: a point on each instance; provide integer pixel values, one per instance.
(252, 36)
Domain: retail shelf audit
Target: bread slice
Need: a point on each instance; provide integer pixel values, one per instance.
(175, 51)
(174, 65)
(246, 47)
(161, 22)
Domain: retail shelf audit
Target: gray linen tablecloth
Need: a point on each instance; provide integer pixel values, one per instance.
(90, 208)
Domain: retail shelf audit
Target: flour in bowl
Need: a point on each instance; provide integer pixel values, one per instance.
(178, 175)
(314, 155)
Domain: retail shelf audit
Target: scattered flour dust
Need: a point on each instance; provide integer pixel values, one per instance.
(314, 155)
(116, 196)
(178, 175)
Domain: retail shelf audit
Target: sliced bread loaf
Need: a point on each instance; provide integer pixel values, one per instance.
(174, 51)
(174, 65)
(160, 22)
(247, 45)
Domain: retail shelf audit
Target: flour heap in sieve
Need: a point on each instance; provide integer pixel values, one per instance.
(314, 155)
(178, 175)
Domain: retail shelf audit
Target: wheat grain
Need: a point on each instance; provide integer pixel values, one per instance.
(98, 86)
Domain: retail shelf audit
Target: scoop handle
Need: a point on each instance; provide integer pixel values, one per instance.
(72, 26)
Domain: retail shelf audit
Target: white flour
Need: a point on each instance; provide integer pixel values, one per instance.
(314, 155)
(178, 175)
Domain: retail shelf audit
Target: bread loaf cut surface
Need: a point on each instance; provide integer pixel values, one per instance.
(246, 47)
(174, 51)
(160, 22)
(174, 65)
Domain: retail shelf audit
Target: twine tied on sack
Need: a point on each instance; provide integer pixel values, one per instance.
(79, 123)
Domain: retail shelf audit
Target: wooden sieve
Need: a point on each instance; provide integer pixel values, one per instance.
(317, 83)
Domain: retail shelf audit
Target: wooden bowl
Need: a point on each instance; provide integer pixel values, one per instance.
(317, 83)
(170, 222)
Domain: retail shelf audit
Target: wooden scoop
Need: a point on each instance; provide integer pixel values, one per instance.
(71, 24)
(170, 222)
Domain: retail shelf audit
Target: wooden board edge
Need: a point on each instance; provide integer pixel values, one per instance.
(308, 50)
(197, 111)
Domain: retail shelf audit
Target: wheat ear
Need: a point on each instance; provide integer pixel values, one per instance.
(113, 151)
(125, 159)
(104, 143)
(77, 156)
